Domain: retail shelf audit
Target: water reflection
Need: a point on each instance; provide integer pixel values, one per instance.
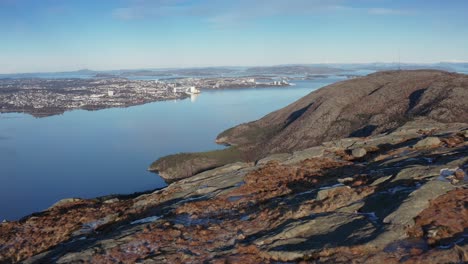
(193, 97)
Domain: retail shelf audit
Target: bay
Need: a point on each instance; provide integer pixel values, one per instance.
(87, 154)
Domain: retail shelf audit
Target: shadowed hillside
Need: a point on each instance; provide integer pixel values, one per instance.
(360, 107)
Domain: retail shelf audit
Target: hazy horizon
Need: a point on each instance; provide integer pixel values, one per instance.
(331, 65)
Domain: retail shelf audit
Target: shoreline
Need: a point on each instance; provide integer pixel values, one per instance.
(49, 114)
(46, 111)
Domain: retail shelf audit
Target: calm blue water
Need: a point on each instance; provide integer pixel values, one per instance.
(88, 154)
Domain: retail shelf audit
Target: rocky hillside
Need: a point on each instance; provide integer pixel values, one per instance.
(356, 196)
(399, 197)
(360, 107)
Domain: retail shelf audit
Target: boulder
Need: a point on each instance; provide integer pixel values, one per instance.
(460, 174)
(465, 134)
(429, 142)
(328, 192)
(358, 152)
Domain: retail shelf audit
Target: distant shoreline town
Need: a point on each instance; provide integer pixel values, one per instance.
(45, 97)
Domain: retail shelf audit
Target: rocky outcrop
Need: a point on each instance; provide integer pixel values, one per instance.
(428, 142)
(179, 166)
(396, 204)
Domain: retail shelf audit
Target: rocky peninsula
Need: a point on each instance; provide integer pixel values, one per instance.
(396, 193)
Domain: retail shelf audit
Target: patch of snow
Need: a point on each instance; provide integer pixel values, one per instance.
(399, 189)
(90, 227)
(331, 187)
(187, 220)
(235, 198)
(429, 160)
(245, 218)
(192, 199)
(76, 239)
(447, 172)
(371, 216)
(239, 184)
(306, 192)
(145, 220)
(445, 246)
(402, 154)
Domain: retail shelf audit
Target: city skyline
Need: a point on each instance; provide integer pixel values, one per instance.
(53, 35)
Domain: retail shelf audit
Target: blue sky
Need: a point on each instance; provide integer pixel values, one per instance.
(61, 35)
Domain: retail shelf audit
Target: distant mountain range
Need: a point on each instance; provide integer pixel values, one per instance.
(289, 69)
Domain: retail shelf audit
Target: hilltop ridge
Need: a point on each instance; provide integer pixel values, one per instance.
(360, 107)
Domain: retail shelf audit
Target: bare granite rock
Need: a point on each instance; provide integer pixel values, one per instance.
(359, 152)
(429, 142)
